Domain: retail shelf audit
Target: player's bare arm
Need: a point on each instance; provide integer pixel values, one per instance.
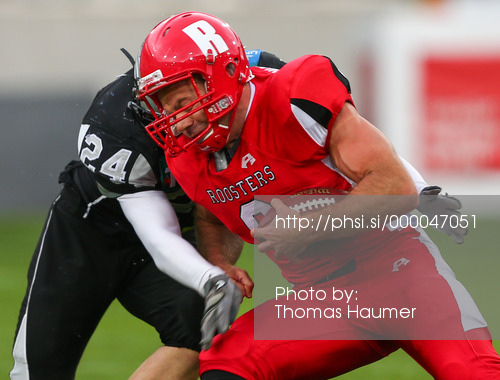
(221, 247)
(364, 154)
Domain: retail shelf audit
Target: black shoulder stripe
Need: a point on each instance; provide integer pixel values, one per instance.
(340, 76)
(319, 113)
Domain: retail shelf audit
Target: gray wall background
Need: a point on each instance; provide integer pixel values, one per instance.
(56, 54)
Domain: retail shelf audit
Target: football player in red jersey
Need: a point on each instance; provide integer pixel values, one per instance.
(231, 132)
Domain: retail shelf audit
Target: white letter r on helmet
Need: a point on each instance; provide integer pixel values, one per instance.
(204, 35)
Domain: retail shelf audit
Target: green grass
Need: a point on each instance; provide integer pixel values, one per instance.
(122, 342)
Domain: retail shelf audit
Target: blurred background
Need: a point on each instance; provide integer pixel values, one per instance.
(427, 73)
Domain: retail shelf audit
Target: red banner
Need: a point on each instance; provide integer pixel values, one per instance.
(461, 113)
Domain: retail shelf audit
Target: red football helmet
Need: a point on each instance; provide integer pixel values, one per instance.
(179, 48)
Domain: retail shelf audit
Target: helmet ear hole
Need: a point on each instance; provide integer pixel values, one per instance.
(230, 69)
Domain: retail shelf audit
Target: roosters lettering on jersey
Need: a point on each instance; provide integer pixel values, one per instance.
(242, 188)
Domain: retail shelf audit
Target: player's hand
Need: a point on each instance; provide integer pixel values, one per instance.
(442, 206)
(241, 278)
(222, 301)
(286, 242)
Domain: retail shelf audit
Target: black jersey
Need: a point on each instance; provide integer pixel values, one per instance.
(118, 157)
(114, 145)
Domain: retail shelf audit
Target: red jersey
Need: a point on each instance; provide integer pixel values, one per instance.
(282, 150)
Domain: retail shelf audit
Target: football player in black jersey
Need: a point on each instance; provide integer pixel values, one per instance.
(113, 232)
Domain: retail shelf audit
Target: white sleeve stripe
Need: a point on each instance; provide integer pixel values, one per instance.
(318, 133)
(315, 130)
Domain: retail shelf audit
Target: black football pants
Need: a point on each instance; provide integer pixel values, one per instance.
(79, 267)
